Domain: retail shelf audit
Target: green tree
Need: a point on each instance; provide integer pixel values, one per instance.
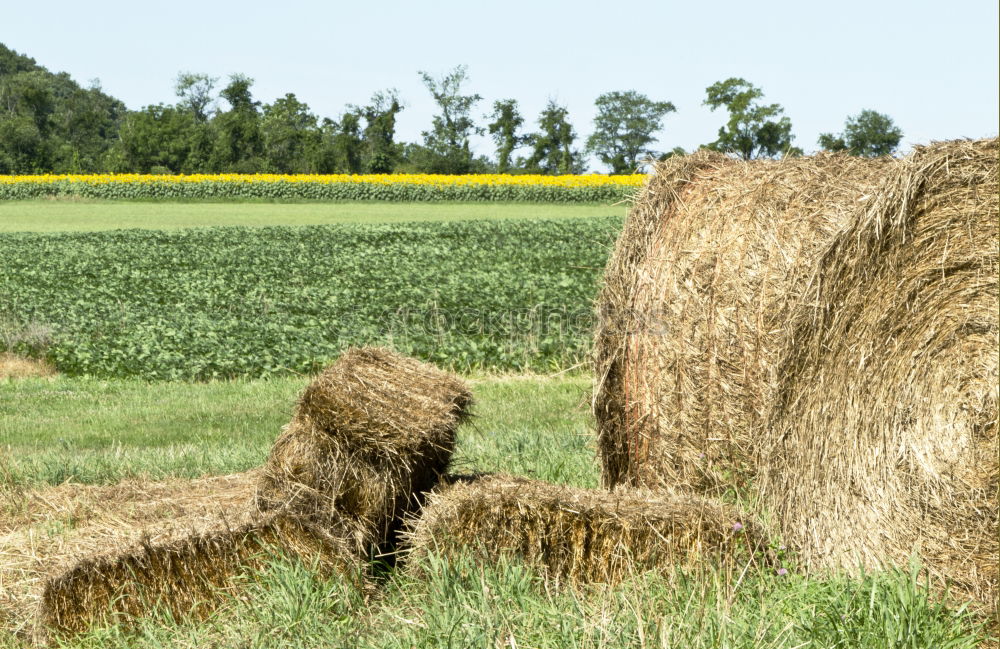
(869, 133)
(624, 127)
(291, 135)
(754, 130)
(552, 147)
(195, 93)
(448, 140)
(341, 148)
(380, 152)
(86, 122)
(154, 139)
(49, 123)
(239, 143)
(506, 121)
(27, 103)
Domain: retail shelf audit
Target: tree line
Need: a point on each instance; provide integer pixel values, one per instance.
(50, 124)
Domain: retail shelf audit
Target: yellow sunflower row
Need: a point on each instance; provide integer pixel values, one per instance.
(435, 180)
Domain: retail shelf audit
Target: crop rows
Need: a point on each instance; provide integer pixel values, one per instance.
(228, 302)
(399, 187)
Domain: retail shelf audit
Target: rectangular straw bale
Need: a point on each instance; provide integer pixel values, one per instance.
(369, 435)
(583, 535)
(187, 577)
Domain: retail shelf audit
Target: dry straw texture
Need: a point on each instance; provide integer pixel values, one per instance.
(583, 535)
(883, 437)
(18, 367)
(714, 254)
(45, 532)
(185, 578)
(370, 434)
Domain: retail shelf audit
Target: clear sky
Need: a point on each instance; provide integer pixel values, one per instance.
(930, 65)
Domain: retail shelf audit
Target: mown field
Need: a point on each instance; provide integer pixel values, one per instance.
(196, 342)
(88, 215)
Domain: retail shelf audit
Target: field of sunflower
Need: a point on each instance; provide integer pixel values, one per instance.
(335, 187)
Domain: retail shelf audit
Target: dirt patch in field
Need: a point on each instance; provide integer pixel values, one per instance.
(43, 532)
(18, 367)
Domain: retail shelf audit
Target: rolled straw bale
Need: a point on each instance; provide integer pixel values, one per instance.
(691, 316)
(186, 578)
(582, 535)
(369, 435)
(883, 438)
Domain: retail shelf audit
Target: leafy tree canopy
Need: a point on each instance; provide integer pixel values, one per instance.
(451, 128)
(624, 127)
(506, 121)
(869, 133)
(754, 130)
(552, 147)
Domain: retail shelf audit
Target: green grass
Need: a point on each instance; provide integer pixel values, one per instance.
(93, 431)
(81, 215)
(101, 431)
(461, 605)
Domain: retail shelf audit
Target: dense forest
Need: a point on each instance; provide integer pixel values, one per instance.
(51, 124)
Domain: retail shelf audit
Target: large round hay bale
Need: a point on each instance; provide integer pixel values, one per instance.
(883, 437)
(583, 535)
(714, 253)
(369, 435)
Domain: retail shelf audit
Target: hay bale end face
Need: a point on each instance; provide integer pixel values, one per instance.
(713, 255)
(186, 578)
(370, 434)
(583, 535)
(883, 440)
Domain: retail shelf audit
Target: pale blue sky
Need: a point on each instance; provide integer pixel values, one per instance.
(932, 66)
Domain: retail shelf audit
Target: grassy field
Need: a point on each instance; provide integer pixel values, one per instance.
(81, 215)
(91, 431)
(101, 431)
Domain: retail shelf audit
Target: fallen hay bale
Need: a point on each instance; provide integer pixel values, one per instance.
(186, 578)
(883, 438)
(582, 535)
(370, 434)
(44, 532)
(714, 253)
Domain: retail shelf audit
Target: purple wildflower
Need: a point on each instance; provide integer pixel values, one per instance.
(782, 572)
(737, 526)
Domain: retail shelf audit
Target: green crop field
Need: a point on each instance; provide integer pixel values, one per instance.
(499, 294)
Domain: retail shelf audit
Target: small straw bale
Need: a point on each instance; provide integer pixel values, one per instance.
(713, 254)
(369, 435)
(185, 578)
(883, 437)
(44, 532)
(583, 535)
